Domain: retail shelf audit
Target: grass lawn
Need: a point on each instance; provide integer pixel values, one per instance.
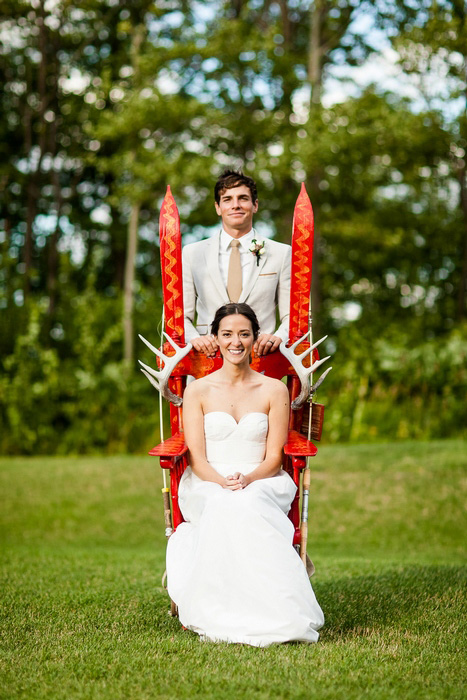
(84, 614)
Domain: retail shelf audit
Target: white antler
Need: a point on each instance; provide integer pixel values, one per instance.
(304, 372)
(160, 378)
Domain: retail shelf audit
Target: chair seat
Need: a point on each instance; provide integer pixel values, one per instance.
(296, 446)
(174, 446)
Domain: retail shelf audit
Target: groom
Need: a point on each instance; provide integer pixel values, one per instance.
(230, 267)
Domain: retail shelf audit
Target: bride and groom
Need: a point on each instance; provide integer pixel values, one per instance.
(232, 569)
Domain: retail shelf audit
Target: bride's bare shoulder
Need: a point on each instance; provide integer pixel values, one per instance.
(274, 387)
(199, 387)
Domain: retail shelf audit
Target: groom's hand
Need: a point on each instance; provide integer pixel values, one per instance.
(266, 343)
(205, 344)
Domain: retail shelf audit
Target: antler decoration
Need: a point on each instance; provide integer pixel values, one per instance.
(304, 372)
(160, 378)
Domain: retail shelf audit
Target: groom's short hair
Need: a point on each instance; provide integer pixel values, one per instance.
(234, 178)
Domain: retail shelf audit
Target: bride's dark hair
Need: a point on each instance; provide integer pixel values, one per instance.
(235, 308)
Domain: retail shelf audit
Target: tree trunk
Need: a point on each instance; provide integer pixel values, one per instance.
(315, 77)
(461, 301)
(315, 54)
(52, 267)
(30, 200)
(34, 177)
(286, 26)
(129, 283)
(463, 281)
(28, 243)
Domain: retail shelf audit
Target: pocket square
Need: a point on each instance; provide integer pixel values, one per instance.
(267, 274)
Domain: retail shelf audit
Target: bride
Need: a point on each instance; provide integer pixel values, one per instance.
(231, 567)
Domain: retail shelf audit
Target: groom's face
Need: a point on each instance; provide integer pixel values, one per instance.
(236, 209)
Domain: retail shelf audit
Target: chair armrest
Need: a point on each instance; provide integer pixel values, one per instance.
(174, 446)
(299, 447)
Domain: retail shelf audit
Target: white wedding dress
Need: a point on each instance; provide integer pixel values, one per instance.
(231, 567)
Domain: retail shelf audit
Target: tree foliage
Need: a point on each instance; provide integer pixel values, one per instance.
(105, 103)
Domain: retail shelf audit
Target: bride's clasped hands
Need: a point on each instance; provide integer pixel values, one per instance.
(236, 481)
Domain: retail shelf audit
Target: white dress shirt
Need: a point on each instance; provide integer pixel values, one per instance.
(247, 259)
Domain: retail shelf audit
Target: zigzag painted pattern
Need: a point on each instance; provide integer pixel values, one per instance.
(171, 282)
(301, 272)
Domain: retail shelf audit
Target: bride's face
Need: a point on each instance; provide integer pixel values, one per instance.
(235, 338)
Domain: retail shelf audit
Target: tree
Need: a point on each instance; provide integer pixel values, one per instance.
(431, 40)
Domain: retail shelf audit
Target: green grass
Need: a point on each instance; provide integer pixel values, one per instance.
(84, 614)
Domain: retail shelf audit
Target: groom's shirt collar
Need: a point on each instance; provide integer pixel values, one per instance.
(245, 241)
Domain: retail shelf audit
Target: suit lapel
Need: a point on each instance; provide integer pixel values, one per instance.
(254, 274)
(212, 267)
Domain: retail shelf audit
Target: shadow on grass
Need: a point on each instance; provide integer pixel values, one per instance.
(413, 600)
(410, 599)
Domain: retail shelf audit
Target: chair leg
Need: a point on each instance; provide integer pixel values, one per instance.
(173, 606)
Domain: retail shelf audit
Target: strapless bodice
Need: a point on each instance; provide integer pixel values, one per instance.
(229, 442)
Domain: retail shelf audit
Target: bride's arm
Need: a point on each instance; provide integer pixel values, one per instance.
(277, 436)
(193, 424)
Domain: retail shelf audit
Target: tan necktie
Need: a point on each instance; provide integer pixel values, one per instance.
(234, 276)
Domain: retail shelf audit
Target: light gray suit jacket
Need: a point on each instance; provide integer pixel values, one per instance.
(267, 287)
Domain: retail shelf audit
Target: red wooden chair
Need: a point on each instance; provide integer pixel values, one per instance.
(293, 363)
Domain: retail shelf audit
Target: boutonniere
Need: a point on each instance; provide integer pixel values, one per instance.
(257, 248)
